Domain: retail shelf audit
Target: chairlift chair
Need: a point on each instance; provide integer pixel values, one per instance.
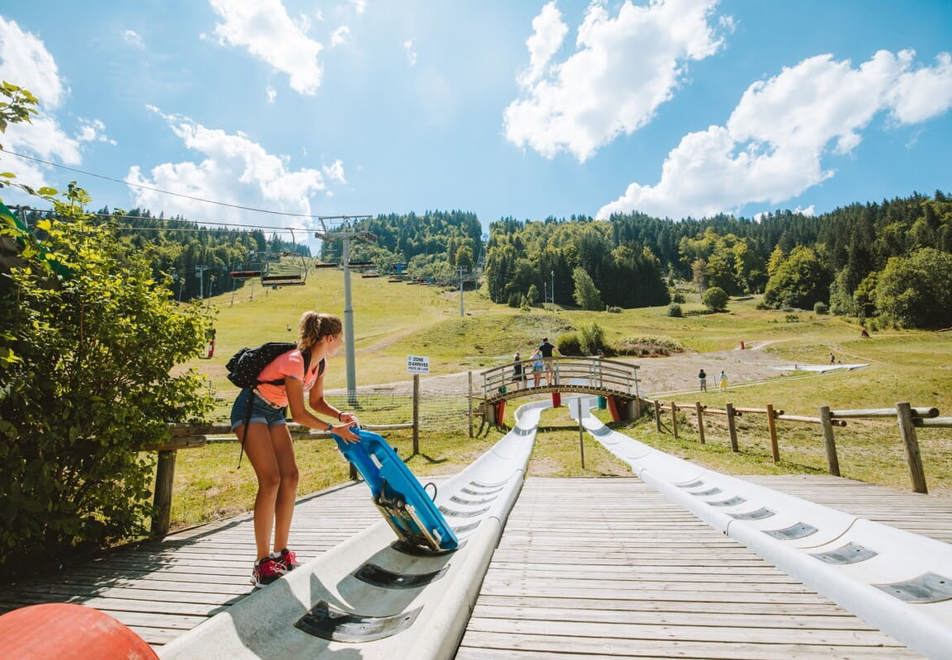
(285, 274)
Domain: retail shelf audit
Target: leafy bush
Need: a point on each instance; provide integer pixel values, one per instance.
(569, 344)
(800, 280)
(613, 309)
(821, 308)
(648, 345)
(715, 299)
(86, 366)
(592, 339)
(678, 297)
(792, 318)
(674, 309)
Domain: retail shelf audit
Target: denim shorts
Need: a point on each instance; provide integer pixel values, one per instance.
(262, 412)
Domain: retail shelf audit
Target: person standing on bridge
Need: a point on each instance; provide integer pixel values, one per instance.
(537, 367)
(282, 384)
(517, 372)
(546, 349)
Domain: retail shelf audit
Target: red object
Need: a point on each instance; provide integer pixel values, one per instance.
(556, 399)
(68, 632)
(211, 348)
(742, 344)
(613, 409)
(500, 411)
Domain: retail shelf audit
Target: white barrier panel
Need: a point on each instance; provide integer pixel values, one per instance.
(895, 580)
(365, 598)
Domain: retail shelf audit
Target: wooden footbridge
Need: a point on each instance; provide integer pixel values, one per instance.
(614, 380)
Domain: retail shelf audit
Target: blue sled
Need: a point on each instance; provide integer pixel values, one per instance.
(398, 494)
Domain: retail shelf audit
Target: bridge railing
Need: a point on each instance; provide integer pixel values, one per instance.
(595, 372)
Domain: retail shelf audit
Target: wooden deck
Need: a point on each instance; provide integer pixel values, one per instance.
(162, 590)
(608, 568)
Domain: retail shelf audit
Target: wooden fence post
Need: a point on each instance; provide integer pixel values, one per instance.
(913, 457)
(469, 399)
(416, 414)
(164, 475)
(657, 415)
(700, 419)
(827, 422)
(731, 426)
(674, 419)
(772, 428)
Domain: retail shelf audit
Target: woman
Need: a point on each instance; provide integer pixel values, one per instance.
(536, 367)
(517, 374)
(268, 442)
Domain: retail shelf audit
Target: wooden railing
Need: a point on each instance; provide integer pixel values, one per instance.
(589, 372)
(909, 418)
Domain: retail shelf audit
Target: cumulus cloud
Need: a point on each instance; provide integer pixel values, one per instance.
(410, 51)
(93, 130)
(264, 28)
(623, 68)
(548, 32)
(233, 168)
(360, 6)
(772, 147)
(133, 38)
(25, 61)
(340, 36)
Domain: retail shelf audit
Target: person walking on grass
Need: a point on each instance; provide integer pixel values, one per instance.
(283, 383)
(722, 380)
(702, 379)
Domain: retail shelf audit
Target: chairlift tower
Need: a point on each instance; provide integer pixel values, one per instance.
(200, 271)
(346, 234)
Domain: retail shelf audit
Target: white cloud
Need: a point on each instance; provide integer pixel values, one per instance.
(133, 38)
(623, 69)
(411, 52)
(773, 144)
(93, 130)
(266, 30)
(340, 35)
(548, 33)
(360, 6)
(809, 210)
(271, 92)
(25, 61)
(232, 168)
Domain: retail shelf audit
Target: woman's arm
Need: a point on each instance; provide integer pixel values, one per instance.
(301, 415)
(320, 404)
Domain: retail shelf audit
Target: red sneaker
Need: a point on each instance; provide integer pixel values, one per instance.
(266, 571)
(287, 560)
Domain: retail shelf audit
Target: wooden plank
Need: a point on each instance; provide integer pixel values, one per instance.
(911, 444)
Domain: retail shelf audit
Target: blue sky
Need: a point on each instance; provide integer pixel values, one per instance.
(528, 109)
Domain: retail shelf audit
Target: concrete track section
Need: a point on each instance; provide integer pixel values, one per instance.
(898, 581)
(369, 599)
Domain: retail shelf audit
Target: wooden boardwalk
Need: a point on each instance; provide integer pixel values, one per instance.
(608, 568)
(162, 590)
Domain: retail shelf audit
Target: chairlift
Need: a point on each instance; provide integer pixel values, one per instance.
(285, 274)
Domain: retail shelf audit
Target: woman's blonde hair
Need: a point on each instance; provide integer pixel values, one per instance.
(313, 327)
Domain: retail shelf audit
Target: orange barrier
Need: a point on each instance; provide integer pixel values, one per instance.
(68, 632)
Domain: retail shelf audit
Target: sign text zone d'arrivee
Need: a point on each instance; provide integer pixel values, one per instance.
(418, 364)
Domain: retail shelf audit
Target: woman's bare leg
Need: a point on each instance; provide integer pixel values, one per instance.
(260, 450)
(287, 490)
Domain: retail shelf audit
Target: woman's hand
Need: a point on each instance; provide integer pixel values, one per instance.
(348, 417)
(346, 432)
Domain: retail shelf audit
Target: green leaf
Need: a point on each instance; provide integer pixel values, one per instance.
(46, 191)
(8, 175)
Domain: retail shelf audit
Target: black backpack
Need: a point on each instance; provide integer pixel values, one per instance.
(246, 365)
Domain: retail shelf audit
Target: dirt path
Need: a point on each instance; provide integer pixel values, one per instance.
(662, 374)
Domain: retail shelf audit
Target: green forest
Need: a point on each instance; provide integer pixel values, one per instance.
(891, 259)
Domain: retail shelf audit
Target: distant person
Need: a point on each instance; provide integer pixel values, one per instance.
(722, 380)
(517, 373)
(702, 379)
(546, 349)
(537, 366)
(864, 333)
(282, 384)
(832, 359)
